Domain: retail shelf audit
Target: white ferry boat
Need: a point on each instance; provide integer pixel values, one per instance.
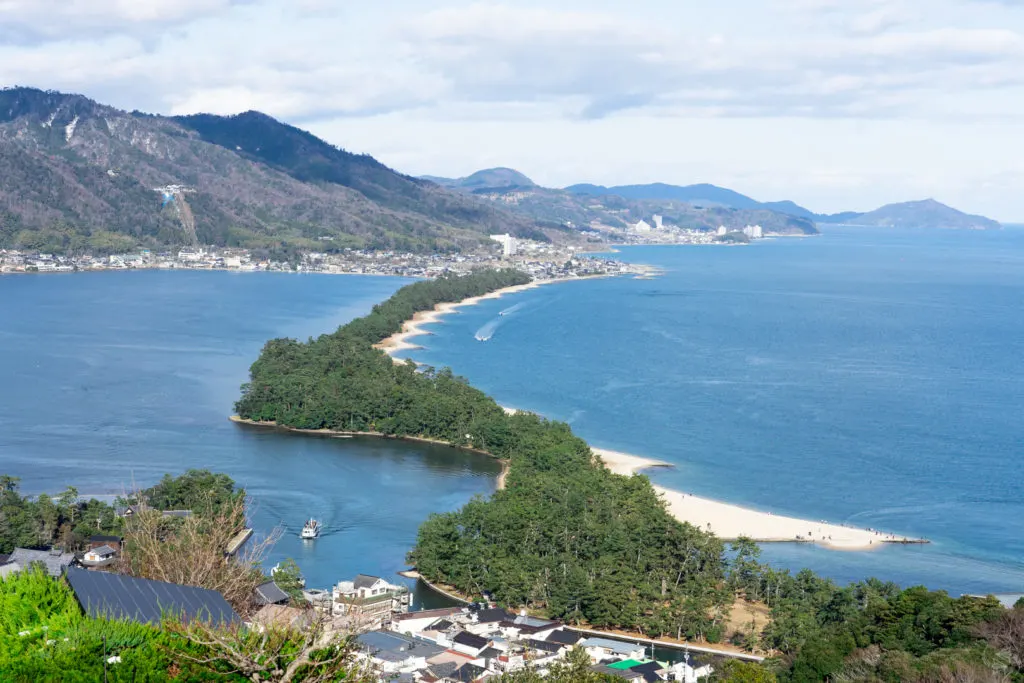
(311, 529)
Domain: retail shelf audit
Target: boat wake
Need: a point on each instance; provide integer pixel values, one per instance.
(488, 330)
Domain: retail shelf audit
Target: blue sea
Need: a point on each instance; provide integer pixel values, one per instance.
(864, 376)
(867, 377)
(109, 380)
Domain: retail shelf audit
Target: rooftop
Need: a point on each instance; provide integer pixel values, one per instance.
(113, 596)
(393, 647)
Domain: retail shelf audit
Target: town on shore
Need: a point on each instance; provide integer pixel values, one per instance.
(542, 261)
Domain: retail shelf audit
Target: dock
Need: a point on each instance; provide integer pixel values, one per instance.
(238, 541)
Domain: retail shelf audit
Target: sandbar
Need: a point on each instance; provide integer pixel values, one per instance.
(724, 520)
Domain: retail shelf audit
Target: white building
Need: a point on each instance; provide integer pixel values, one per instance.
(754, 232)
(657, 222)
(722, 230)
(642, 226)
(508, 244)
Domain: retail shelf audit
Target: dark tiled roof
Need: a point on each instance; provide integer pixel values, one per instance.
(564, 637)
(4, 557)
(489, 616)
(545, 646)
(270, 593)
(490, 653)
(443, 669)
(113, 596)
(365, 581)
(468, 672)
(440, 625)
(101, 538)
(649, 670)
(104, 550)
(470, 640)
(55, 562)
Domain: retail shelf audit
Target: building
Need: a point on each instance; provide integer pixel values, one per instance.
(469, 643)
(114, 596)
(99, 540)
(642, 226)
(416, 622)
(722, 231)
(508, 244)
(270, 593)
(392, 653)
(658, 224)
(754, 232)
(99, 557)
(369, 598)
(601, 649)
(53, 561)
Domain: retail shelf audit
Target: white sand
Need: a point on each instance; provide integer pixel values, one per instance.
(414, 328)
(732, 521)
(724, 520)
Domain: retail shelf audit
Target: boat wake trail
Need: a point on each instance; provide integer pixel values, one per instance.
(488, 330)
(512, 309)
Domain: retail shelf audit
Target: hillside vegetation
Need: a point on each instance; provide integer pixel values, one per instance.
(571, 540)
(78, 175)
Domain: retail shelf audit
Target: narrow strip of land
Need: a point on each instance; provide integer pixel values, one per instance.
(725, 520)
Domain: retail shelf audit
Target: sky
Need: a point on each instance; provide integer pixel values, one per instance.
(835, 104)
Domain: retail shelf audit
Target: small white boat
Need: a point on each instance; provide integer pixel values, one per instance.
(311, 529)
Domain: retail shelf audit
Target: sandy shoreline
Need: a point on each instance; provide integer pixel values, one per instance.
(414, 327)
(725, 520)
(729, 521)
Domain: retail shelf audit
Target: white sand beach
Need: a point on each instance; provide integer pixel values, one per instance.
(723, 519)
(732, 521)
(414, 328)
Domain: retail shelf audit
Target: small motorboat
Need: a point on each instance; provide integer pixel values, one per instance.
(310, 530)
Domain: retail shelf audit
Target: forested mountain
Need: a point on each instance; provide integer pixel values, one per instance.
(592, 206)
(79, 175)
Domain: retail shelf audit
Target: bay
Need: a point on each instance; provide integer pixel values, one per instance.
(868, 377)
(109, 380)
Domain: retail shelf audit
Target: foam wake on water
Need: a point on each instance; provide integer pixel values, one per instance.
(512, 309)
(488, 330)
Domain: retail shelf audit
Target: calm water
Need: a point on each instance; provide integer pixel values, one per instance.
(866, 377)
(110, 378)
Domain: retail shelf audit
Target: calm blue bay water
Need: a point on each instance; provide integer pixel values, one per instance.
(868, 377)
(110, 378)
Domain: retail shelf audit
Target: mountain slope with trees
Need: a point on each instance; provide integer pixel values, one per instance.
(80, 176)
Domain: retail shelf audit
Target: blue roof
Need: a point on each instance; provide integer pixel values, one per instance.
(113, 596)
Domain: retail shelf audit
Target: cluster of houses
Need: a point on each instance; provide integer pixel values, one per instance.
(479, 643)
(100, 552)
(464, 644)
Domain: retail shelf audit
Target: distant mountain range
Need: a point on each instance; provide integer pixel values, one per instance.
(78, 175)
(515, 191)
(917, 214)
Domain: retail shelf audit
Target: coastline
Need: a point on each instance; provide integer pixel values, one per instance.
(726, 520)
(413, 327)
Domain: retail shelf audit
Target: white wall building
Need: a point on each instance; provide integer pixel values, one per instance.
(657, 222)
(508, 244)
(642, 226)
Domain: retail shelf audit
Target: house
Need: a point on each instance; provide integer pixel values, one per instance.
(270, 593)
(600, 649)
(469, 643)
(99, 557)
(369, 598)
(53, 561)
(622, 674)
(524, 625)
(469, 673)
(100, 540)
(564, 637)
(393, 653)
(114, 596)
(415, 622)
(282, 617)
